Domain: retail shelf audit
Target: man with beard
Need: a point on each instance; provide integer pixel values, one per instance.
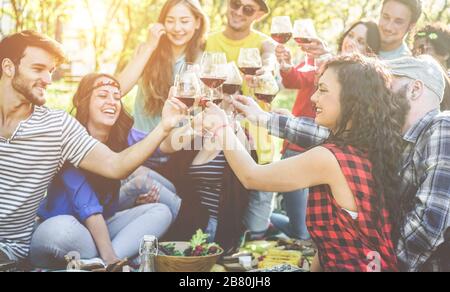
(239, 33)
(424, 196)
(35, 141)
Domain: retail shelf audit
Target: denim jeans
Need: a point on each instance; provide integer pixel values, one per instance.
(141, 182)
(295, 204)
(257, 217)
(58, 236)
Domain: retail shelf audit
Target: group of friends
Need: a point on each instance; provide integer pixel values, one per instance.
(365, 172)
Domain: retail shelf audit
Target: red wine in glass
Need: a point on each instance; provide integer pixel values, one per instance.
(249, 70)
(303, 40)
(268, 98)
(282, 38)
(188, 101)
(213, 83)
(217, 101)
(231, 89)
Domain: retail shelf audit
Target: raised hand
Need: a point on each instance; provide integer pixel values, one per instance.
(316, 48)
(173, 113)
(248, 107)
(284, 57)
(155, 33)
(214, 118)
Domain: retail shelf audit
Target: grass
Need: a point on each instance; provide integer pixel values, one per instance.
(60, 97)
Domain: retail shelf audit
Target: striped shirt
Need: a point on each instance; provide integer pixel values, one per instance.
(28, 162)
(208, 182)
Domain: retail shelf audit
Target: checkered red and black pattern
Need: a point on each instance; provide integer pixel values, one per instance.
(344, 244)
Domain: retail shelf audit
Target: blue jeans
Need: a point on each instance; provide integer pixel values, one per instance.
(257, 217)
(58, 236)
(295, 204)
(141, 182)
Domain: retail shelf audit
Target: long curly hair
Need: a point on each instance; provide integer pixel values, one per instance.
(158, 73)
(377, 117)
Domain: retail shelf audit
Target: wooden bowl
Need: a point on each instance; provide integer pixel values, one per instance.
(186, 264)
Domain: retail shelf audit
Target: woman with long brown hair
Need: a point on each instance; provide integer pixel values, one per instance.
(353, 177)
(178, 38)
(94, 215)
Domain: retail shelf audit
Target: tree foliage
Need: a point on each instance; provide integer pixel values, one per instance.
(130, 19)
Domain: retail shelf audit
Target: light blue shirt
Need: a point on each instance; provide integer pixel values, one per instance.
(142, 120)
(402, 51)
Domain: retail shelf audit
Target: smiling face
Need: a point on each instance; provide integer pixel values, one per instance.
(241, 14)
(327, 100)
(105, 105)
(356, 41)
(395, 23)
(181, 25)
(33, 74)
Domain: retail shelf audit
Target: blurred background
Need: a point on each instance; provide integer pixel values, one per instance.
(101, 35)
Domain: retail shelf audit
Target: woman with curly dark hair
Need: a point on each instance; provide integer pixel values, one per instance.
(353, 176)
(363, 37)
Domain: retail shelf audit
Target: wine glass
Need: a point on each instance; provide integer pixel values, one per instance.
(187, 86)
(305, 33)
(250, 61)
(267, 88)
(214, 95)
(232, 86)
(281, 30)
(213, 70)
(234, 81)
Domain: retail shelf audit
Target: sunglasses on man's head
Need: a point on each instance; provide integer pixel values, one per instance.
(247, 10)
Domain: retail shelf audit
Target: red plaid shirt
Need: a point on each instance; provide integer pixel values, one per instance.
(344, 244)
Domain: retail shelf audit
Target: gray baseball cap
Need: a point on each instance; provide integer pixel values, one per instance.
(424, 68)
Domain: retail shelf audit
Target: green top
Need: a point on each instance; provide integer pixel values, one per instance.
(142, 120)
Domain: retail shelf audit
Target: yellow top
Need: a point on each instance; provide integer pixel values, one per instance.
(218, 42)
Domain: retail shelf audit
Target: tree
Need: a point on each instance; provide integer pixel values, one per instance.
(135, 18)
(43, 15)
(101, 27)
(130, 19)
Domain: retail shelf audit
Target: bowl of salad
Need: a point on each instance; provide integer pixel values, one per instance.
(194, 256)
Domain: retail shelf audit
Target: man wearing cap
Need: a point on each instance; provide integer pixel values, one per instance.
(239, 33)
(424, 243)
(424, 195)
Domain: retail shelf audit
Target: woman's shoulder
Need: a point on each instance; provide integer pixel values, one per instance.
(333, 158)
(347, 151)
